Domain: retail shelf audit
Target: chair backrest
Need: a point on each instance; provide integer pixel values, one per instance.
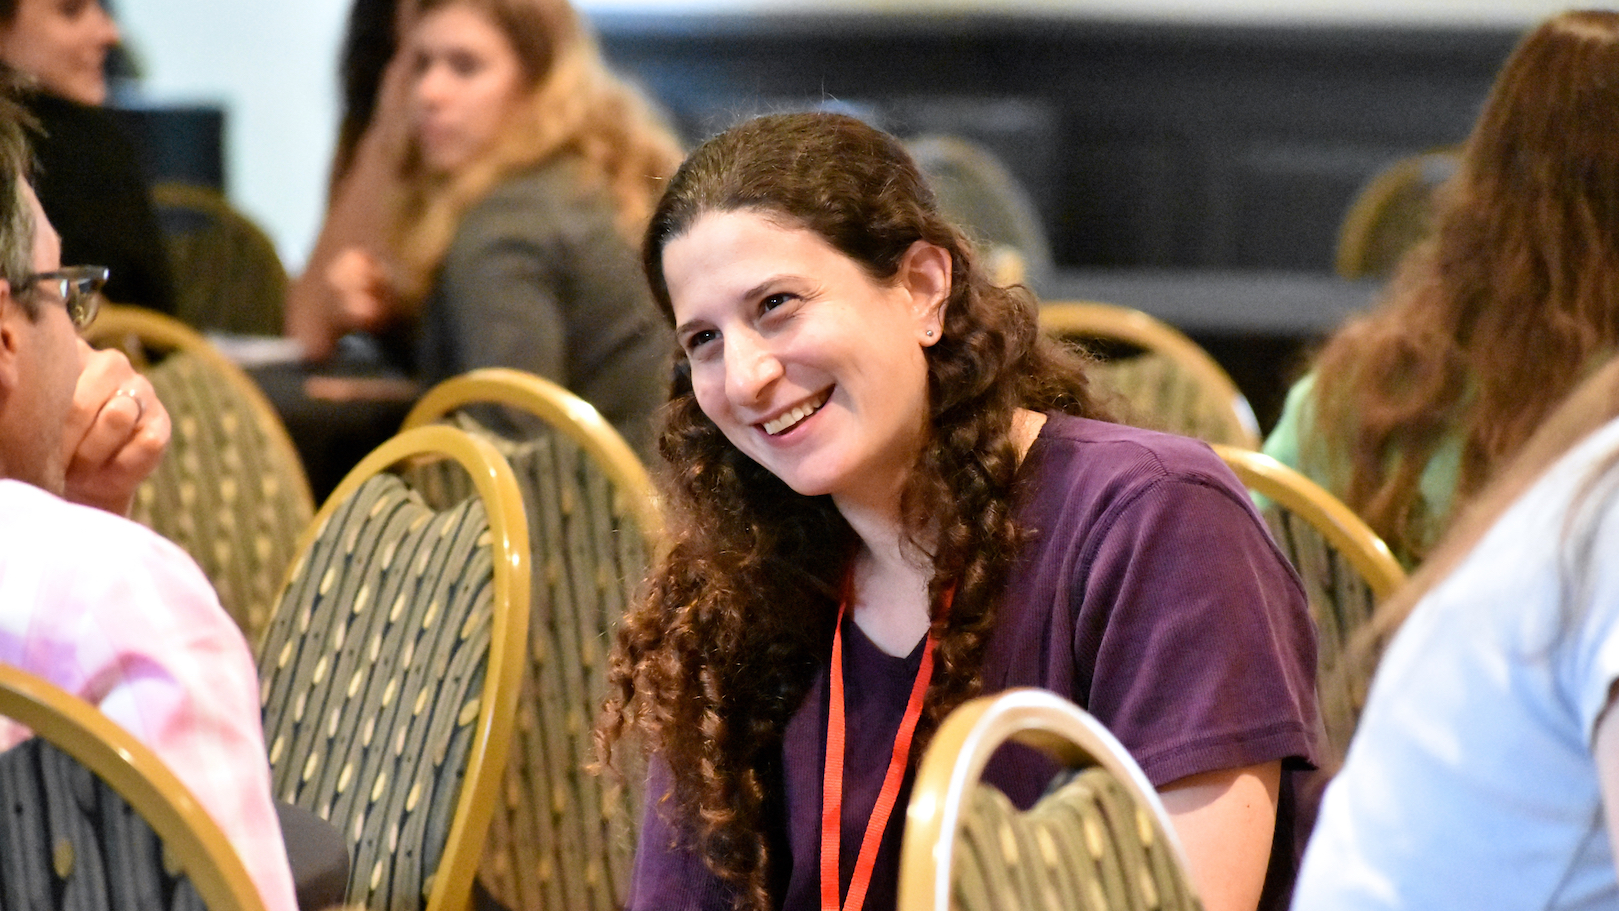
(227, 274)
(977, 191)
(93, 819)
(390, 668)
(1391, 213)
(563, 838)
(1346, 570)
(1099, 840)
(231, 489)
(1165, 380)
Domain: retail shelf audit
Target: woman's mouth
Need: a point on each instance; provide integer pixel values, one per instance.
(787, 420)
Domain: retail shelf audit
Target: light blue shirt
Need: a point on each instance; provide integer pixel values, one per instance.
(1470, 782)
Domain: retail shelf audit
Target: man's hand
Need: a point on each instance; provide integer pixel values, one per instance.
(115, 434)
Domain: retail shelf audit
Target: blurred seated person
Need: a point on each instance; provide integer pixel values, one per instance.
(1485, 769)
(1410, 409)
(89, 177)
(98, 605)
(510, 173)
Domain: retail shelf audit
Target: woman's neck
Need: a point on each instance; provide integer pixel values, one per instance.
(889, 589)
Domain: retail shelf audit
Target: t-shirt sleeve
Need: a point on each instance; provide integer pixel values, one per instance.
(1204, 652)
(669, 875)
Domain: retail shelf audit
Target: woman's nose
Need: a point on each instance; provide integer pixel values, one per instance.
(109, 29)
(750, 367)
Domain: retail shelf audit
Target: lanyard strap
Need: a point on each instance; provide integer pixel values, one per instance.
(832, 784)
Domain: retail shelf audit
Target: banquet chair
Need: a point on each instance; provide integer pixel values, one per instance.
(227, 274)
(1346, 570)
(562, 838)
(1099, 839)
(390, 668)
(231, 490)
(1164, 379)
(978, 192)
(1391, 213)
(93, 819)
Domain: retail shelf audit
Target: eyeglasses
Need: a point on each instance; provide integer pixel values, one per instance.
(77, 287)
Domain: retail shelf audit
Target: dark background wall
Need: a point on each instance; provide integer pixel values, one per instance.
(1145, 145)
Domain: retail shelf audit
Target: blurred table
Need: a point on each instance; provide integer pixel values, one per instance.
(1261, 326)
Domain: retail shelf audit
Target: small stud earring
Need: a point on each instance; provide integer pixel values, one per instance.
(928, 333)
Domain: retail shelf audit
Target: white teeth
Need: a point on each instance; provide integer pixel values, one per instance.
(792, 417)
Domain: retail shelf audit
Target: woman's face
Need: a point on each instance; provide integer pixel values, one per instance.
(468, 82)
(63, 44)
(806, 364)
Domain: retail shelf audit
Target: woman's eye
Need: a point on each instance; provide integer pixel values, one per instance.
(465, 64)
(698, 339)
(775, 300)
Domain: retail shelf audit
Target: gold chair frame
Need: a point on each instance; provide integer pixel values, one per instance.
(1093, 319)
(957, 756)
(486, 758)
(134, 771)
(1336, 522)
(559, 408)
(123, 327)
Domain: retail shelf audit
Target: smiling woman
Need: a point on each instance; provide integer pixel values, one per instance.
(887, 492)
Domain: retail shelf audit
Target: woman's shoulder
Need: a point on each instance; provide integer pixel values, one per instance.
(549, 200)
(1083, 470)
(1101, 451)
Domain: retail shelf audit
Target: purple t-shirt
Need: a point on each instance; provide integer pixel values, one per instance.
(1151, 595)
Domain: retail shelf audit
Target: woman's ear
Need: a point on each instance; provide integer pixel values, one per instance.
(925, 274)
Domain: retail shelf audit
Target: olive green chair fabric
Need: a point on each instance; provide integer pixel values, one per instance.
(231, 490)
(91, 819)
(1160, 378)
(1099, 840)
(978, 192)
(1346, 569)
(227, 274)
(561, 837)
(390, 670)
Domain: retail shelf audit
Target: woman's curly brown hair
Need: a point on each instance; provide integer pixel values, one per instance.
(738, 616)
(1488, 324)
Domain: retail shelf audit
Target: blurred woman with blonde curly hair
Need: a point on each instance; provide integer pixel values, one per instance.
(488, 214)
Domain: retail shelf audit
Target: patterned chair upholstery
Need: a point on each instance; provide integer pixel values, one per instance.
(1346, 570)
(227, 274)
(231, 490)
(1164, 379)
(1099, 840)
(92, 819)
(562, 837)
(977, 191)
(390, 670)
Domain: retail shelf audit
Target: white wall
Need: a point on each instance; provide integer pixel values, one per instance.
(272, 64)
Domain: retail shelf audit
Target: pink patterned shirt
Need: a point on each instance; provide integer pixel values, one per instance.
(124, 619)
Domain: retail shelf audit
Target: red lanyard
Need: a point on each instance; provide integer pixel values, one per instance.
(832, 785)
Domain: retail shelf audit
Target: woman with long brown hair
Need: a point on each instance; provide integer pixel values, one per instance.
(1409, 410)
(887, 492)
(511, 174)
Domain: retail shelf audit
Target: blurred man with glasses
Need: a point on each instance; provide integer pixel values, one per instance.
(99, 605)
